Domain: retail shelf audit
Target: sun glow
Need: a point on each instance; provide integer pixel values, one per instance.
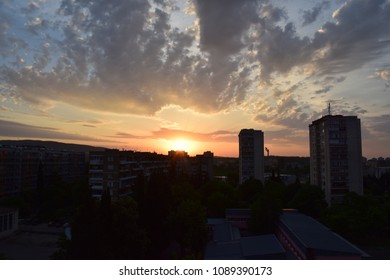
(181, 145)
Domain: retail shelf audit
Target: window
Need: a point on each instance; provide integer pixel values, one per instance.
(110, 167)
(5, 222)
(10, 220)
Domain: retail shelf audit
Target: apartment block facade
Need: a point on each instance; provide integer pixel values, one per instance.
(336, 156)
(117, 170)
(24, 168)
(251, 155)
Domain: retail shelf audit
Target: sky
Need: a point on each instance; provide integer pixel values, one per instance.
(160, 75)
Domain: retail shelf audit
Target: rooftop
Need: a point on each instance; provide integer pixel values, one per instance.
(311, 234)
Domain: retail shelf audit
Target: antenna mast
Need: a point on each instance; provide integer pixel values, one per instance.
(329, 109)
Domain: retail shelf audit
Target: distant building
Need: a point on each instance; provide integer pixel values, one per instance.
(336, 156)
(198, 169)
(117, 171)
(24, 168)
(203, 167)
(251, 155)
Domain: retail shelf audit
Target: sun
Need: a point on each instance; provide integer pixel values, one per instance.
(181, 145)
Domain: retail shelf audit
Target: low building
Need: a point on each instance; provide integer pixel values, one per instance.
(227, 243)
(306, 238)
(238, 217)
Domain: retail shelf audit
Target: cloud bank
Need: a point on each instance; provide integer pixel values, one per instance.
(127, 56)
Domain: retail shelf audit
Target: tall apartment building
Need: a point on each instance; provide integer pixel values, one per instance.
(336, 156)
(251, 155)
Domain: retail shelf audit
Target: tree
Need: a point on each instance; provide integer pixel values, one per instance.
(249, 191)
(129, 240)
(358, 218)
(189, 226)
(265, 213)
(309, 200)
(84, 227)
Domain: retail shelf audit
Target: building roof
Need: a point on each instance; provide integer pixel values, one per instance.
(312, 235)
(225, 232)
(225, 251)
(227, 244)
(237, 212)
(261, 245)
(328, 117)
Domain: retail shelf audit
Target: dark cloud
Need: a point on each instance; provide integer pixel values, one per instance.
(354, 38)
(310, 16)
(325, 89)
(223, 25)
(15, 129)
(280, 49)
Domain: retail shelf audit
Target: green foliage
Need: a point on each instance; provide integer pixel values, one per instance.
(249, 191)
(129, 240)
(309, 200)
(265, 210)
(189, 226)
(107, 230)
(183, 191)
(217, 196)
(358, 218)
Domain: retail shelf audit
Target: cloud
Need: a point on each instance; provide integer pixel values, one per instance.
(309, 16)
(384, 74)
(328, 83)
(127, 56)
(375, 135)
(222, 30)
(354, 38)
(15, 129)
(174, 134)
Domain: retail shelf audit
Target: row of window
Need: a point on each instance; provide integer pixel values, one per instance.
(6, 222)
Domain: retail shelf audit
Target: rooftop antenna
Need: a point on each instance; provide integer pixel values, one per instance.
(329, 109)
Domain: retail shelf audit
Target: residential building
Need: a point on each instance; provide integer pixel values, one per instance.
(199, 169)
(24, 168)
(117, 170)
(251, 155)
(336, 156)
(202, 167)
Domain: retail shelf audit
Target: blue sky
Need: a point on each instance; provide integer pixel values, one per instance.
(156, 75)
